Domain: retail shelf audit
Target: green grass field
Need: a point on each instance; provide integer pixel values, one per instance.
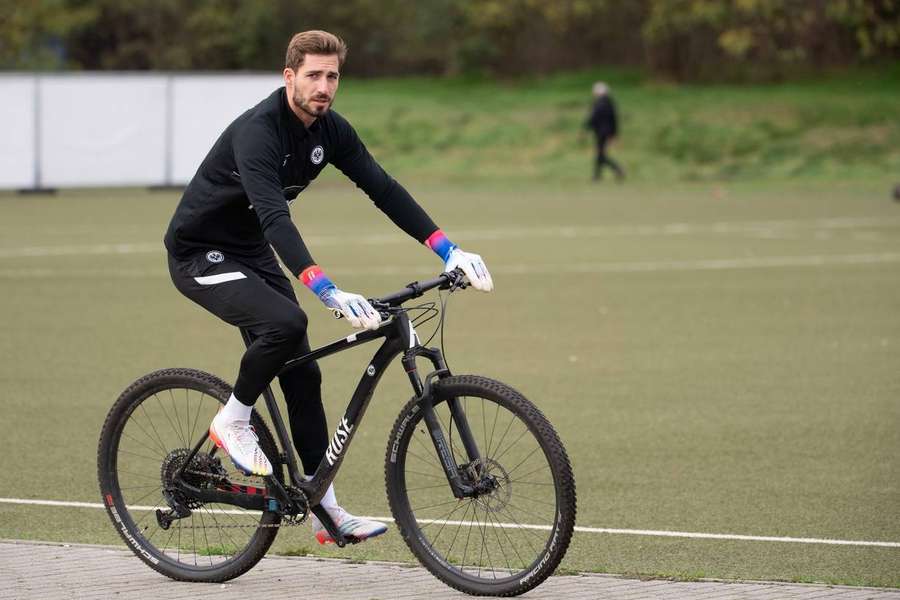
(718, 358)
(846, 126)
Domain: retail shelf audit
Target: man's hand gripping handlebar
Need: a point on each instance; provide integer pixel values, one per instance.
(390, 304)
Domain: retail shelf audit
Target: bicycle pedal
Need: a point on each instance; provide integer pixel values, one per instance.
(324, 541)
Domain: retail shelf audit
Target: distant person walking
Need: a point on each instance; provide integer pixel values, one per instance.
(603, 122)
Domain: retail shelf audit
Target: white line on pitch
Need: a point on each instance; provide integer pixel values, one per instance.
(751, 228)
(702, 264)
(644, 532)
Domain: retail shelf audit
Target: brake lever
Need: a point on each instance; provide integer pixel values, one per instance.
(383, 308)
(458, 281)
(337, 314)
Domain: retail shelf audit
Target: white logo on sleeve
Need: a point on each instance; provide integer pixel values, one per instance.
(317, 155)
(214, 256)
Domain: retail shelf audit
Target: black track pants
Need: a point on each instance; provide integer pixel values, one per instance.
(257, 297)
(603, 159)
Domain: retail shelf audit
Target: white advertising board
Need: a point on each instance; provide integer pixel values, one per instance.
(116, 129)
(17, 131)
(103, 129)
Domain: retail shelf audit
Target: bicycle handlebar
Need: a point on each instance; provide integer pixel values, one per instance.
(452, 281)
(444, 281)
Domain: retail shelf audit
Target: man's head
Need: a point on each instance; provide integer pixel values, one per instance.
(311, 72)
(600, 89)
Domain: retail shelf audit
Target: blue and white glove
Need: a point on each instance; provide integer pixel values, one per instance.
(355, 308)
(471, 264)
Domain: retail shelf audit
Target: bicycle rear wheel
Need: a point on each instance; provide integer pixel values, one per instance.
(507, 540)
(147, 436)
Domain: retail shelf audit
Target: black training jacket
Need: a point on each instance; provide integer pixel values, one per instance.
(238, 201)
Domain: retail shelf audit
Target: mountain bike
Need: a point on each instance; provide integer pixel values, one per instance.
(478, 482)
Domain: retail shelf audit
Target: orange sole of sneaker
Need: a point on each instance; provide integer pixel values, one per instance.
(323, 538)
(215, 438)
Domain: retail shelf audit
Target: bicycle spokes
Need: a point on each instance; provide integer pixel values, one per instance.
(504, 524)
(151, 456)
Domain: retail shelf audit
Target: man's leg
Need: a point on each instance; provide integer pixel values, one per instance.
(237, 294)
(598, 158)
(302, 385)
(302, 388)
(604, 159)
(620, 174)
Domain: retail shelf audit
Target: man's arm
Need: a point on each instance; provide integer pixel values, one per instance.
(591, 122)
(354, 160)
(256, 154)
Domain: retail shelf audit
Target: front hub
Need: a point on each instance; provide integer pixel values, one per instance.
(490, 483)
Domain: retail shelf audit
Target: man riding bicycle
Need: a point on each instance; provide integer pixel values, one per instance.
(235, 211)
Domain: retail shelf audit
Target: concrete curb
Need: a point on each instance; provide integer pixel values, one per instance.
(50, 570)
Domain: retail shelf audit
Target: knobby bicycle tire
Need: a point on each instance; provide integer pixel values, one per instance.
(499, 515)
(166, 382)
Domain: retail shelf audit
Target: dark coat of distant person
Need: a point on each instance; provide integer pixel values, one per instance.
(603, 118)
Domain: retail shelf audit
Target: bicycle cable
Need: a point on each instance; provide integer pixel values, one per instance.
(428, 313)
(444, 302)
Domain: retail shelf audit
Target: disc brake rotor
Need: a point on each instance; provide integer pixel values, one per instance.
(488, 475)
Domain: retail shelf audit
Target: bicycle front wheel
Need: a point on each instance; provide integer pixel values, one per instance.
(508, 538)
(146, 439)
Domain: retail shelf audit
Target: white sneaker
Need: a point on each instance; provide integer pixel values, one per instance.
(239, 441)
(355, 529)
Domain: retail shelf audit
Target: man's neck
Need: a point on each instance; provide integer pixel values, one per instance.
(304, 116)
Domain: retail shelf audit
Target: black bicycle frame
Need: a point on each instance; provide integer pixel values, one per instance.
(400, 337)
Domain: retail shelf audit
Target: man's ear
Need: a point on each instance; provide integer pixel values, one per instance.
(288, 76)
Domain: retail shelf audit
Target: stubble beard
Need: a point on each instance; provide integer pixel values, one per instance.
(307, 107)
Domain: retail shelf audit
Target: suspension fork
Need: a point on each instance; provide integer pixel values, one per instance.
(423, 391)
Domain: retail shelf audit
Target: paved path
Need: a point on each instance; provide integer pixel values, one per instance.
(48, 571)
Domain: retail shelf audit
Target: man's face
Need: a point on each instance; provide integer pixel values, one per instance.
(313, 86)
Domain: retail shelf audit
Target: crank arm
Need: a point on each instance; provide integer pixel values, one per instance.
(330, 526)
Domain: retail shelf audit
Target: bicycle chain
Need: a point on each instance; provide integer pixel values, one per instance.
(286, 520)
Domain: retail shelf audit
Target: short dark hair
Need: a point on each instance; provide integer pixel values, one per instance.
(313, 42)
